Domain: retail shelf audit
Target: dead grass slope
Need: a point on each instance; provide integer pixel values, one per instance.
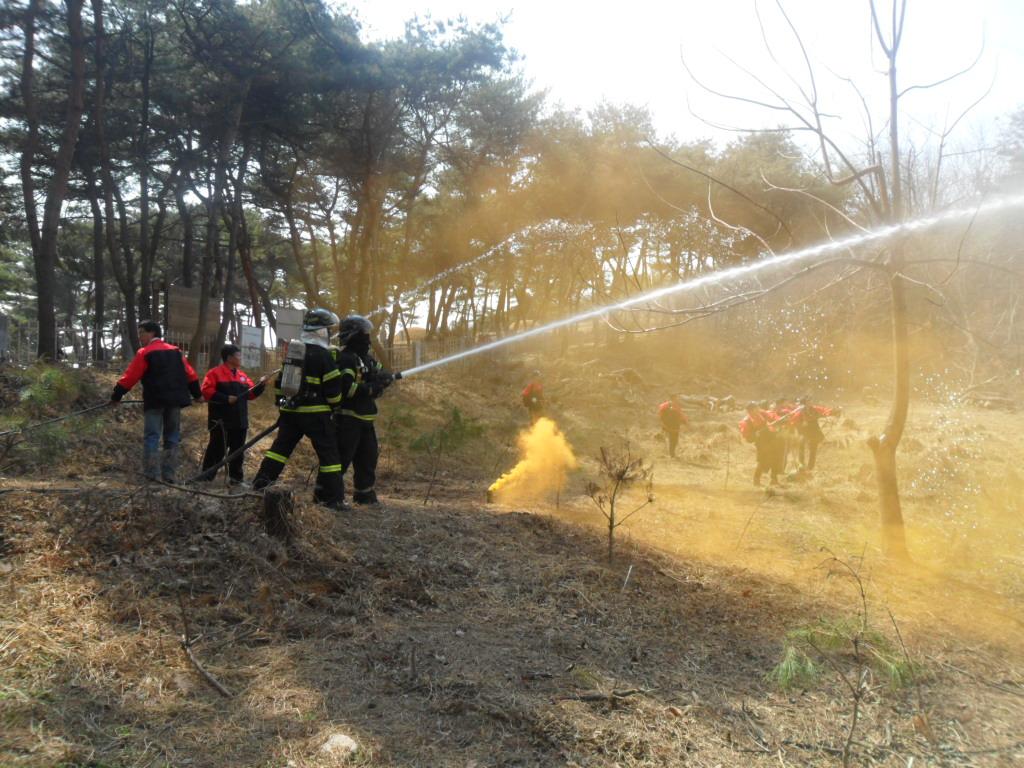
(438, 634)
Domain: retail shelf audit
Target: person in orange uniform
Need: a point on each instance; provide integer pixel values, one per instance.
(169, 384)
(227, 391)
(757, 428)
(533, 398)
(805, 418)
(671, 415)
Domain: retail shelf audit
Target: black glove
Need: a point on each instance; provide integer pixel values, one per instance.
(380, 382)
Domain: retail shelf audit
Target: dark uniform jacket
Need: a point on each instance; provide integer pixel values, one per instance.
(222, 382)
(321, 387)
(357, 373)
(168, 381)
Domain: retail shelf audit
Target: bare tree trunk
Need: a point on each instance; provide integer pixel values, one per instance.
(31, 143)
(245, 254)
(124, 272)
(155, 238)
(187, 231)
(884, 447)
(314, 252)
(98, 272)
(312, 294)
(365, 240)
(341, 291)
(46, 256)
(227, 310)
(146, 304)
(214, 209)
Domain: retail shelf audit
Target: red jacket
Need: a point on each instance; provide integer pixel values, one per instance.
(222, 382)
(533, 394)
(671, 415)
(800, 415)
(754, 423)
(168, 381)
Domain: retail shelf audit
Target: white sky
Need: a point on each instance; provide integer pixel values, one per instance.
(630, 53)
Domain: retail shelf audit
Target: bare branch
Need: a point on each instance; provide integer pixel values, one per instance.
(817, 199)
(948, 78)
(753, 296)
(709, 177)
(736, 227)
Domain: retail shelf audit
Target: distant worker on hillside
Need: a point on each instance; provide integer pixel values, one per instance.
(227, 391)
(805, 418)
(756, 427)
(363, 380)
(672, 417)
(533, 397)
(168, 384)
(307, 390)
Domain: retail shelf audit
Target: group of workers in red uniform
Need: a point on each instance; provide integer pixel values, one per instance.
(772, 428)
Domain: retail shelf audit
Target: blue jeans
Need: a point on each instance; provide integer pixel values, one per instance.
(157, 422)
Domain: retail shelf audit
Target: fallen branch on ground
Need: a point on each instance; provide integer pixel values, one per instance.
(186, 646)
(611, 696)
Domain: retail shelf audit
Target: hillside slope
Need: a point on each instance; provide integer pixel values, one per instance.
(457, 633)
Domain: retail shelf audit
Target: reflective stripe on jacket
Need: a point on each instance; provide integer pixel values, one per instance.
(356, 394)
(321, 387)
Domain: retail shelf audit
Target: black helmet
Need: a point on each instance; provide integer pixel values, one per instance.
(315, 319)
(352, 326)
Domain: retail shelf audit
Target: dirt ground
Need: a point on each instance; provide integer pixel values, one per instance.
(439, 630)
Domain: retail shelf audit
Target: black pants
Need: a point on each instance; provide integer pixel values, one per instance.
(222, 437)
(357, 444)
(673, 440)
(771, 455)
(293, 427)
(810, 444)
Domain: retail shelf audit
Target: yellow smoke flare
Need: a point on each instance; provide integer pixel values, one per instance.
(546, 457)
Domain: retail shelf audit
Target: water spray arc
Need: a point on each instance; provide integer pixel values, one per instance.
(876, 235)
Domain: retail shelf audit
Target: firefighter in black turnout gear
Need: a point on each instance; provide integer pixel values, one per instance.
(363, 380)
(307, 412)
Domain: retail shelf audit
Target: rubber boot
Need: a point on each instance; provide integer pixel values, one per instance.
(365, 497)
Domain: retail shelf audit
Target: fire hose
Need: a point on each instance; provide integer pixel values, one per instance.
(30, 427)
(208, 472)
(238, 452)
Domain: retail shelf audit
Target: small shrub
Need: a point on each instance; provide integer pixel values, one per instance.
(796, 670)
(49, 387)
(843, 640)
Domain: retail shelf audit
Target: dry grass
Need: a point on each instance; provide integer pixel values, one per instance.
(457, 634)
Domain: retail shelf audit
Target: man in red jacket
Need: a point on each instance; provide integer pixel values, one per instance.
(168, 385)
(805, 419)
(671, 415)
(533, 397)
(227, 391)
(758, 427)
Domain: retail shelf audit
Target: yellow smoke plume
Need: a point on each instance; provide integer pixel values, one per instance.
(545, 458)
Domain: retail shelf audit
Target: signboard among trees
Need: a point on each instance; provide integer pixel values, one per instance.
(183, 314)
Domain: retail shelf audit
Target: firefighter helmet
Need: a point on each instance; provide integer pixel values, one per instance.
(352, 326)
(315, 319)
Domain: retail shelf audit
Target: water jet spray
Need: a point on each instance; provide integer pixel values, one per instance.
(871, 236)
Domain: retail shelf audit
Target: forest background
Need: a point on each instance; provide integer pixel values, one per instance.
(269, 154)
